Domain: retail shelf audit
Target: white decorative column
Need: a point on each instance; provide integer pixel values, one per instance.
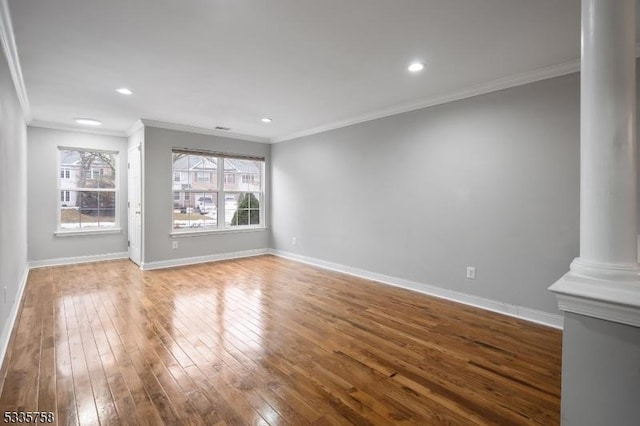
(600, 295)
(604, 282)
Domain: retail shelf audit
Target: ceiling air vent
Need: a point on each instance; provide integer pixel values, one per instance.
(222, 128)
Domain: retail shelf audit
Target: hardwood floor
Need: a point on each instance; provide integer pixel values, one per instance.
(268, 341)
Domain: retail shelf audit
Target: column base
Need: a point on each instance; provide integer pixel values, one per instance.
(611, 299)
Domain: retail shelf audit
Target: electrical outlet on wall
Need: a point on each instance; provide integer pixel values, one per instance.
(471, 272)
(174, 244)
(294, 241)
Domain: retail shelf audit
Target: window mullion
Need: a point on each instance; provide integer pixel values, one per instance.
(221, 208)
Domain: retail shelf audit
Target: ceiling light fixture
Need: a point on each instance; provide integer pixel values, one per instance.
(124, 91)
(416, 66)
(88, 121)
(266, 120)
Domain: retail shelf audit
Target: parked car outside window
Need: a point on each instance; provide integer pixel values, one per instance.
(205, 205)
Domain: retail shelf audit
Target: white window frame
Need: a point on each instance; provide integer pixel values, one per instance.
(116, 228)
(221, 225)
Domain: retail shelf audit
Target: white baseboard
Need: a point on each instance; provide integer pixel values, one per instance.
(146, 266)
(78, 259)
(13, 315)
(528, 314)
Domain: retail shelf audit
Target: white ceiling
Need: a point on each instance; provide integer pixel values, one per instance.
(307, 64)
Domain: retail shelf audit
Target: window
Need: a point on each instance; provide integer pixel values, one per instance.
(96, 173)
(248, 178)
(218, 200)
(88, 201)
(203, 177)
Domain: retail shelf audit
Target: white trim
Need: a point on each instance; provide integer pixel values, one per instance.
(521, 312)
(78, 259)
(146, 266)
(239, 230)
(11, 52)
(74, 233)
(13, 316)
(202, 131)
(76, 128)
(480, 89)
(134, 128)
(515, 80)
(617, 301)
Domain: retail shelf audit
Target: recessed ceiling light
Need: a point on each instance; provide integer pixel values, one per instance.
(124, 91)
(266, 120)
(88, 121)
(416, 66)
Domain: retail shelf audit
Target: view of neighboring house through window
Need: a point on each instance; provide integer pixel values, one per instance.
(87, 188)
(207, 182)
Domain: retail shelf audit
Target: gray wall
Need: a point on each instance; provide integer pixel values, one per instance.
(13, 198)
(490, 181)
(43, 197)
(600, 372)
(157, 208)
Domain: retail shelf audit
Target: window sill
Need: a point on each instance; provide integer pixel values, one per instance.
(74, 233)
(182, 234)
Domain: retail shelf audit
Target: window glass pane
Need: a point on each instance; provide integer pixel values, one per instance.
(70, 217)
(88, 169)
(230, 207)
(195, 172)
(195, 210)
(242, 175)
(106, 212)
(87, 209)
(247, 210)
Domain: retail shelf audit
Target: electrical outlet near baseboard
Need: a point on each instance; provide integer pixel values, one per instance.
(471, 272)
(294, 241)
(174, 244)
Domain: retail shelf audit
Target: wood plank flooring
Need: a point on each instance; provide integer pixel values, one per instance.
(265, 340)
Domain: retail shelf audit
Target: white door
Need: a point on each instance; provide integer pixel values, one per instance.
(134, 205)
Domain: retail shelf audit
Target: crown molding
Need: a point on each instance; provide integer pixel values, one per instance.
(134, 128)
(11, 53)
(72, 128)
(491, 86)
(539, 74)
(202, 131)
